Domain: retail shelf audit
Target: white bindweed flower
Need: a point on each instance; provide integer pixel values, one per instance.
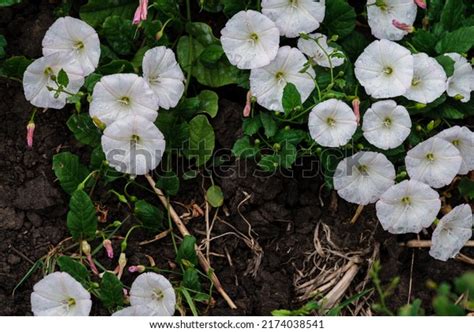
(364, 177)
(267, 83)
(59, 294)
(133, 145)
(74, 38)
(332, 123)
(293, 17)
(463, 139)
(408, 207)
(434, 161)
(155, 292)
(386, 125)
(429, 80)
(452, 233)
(317, 48)
(382, 13)
(38, 78)
(164, 76)
(250, 40)
(385, 69)
(119, 95)
(137, 310)
(461, 83)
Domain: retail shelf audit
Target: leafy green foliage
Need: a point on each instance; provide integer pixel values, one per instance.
(460, 41)
(81, 218)
(111, 291)
(119, 33)
(95, 12)
(186, 252)
(244, 149)
(201, 140)
(291, 98)
(215, 196)
(74, 269)
(84, 130)
(150, 215)
(69, 171)
(169, 183)
(7, 3)
(340, 18)
(15, 66)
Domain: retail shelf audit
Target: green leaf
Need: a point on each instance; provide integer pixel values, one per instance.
(15, 66)
(111, 291)
(84, 129)
(7, 3)
(443, 306)
(91, 81)
(209, 102)
(424, 41)
(189, 175)
(96, 11)
(215, 196)
(466, 188)
(447, 63)
(191, 279)
(116, 67)
(251, 126)
(354, 44)
(69, 171)
(169, 183)
(269, 124)
(149, 214)
(3, 45)
(81, 218)
(176, 132)
(211, 54)
(74, 269)
(63, 79)
(452, 15)
(340, 18)
(269, 163)
(187, 252)
(450, 112)
(138, 57)
(465, 284)
(201, 140)
(412, 309)
(232, 7)
(119, 33)
(291, 98)
(168, 7)
(243, 148)
(287, 155)
(293, 136)
(460, 41)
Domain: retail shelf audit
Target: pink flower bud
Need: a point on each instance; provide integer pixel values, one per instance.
(136, 268)
(86, 249)
(248, 105)
(141, 13)
(356, 108)
(108, 248)
(30, 131)
(403, 26)
(421, 3)
(121, 264)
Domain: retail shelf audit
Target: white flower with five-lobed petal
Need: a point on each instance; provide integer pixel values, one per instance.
(382, 13)
(155, 292)
(463, 139)
(461, 82)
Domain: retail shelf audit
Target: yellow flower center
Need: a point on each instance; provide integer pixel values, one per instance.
(78, 45)
(124, 100)
(331, 122)
(430, 156)
(388, 70)
(406, 200)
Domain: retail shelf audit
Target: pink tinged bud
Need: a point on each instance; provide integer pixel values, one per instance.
(141, 13)
(248, 105)
(30, 131)
(86, 249)
(421, 3)
(356, 108)
(121, 264)
(108, 248)
(403, 26)
(136, 268)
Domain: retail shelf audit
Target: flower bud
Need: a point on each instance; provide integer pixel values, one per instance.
(136, 268)
(356, 108)
(403, 26)
(108, 248)
(421, 3)
(248, 105)
(30, 131)
(86, 248)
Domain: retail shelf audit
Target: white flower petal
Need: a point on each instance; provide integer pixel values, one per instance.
(267, 83)
(452, 233)
(133, 145)
(250, 40)
(320, 52)
(164, 76)
(463, 139)
(434, 161)
(119, 95)
(155, 292)
(37, 79)
(385, 69)
(332, 123)
(59, 294)
(408, 207)
(364, 177)
(386, 125)
(380, 17)
(74, 38)
(461, 82)
(295, 16)
(429, 80)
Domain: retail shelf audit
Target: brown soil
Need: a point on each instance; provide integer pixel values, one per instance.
(282, 211)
